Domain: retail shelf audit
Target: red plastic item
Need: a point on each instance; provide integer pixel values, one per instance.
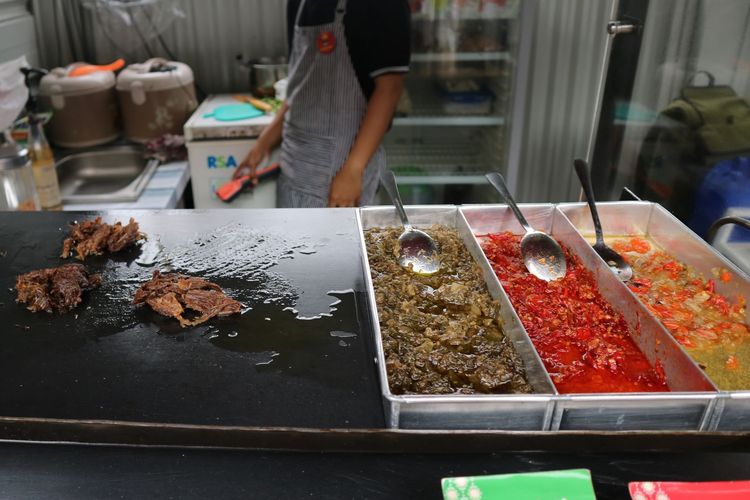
(716, 490)
(229, 191)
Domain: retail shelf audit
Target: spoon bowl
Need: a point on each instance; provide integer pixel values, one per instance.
(541, 254)
(614, 260)
(417, 250)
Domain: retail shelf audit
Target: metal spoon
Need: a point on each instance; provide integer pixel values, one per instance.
(613, 259)
(541, 254)
(418, 250)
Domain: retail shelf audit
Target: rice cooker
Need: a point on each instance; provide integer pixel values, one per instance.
(156, 98)
(84, 108)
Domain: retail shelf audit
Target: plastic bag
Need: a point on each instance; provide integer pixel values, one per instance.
(13, 91)
(725, 186)
(130, 24)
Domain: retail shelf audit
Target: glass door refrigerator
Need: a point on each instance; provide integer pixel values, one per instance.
(451, 124)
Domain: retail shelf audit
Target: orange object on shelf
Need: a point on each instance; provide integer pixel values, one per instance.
(263, 106)
(86, 69)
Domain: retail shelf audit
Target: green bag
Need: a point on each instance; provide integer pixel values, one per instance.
(704, 125)
(717, 117)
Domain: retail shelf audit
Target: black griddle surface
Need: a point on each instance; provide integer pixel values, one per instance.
(110, 360)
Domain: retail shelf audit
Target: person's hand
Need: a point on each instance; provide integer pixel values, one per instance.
(251, 162)
(346, 187)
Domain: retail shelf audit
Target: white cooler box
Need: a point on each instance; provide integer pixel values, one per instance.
(212, 164)
(215, 150)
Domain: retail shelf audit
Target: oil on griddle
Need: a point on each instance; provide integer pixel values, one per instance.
(235, 260)
(109, 359)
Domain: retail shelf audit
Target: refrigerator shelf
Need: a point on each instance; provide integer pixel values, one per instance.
(450, 121)
(442, 163)
(461, 53)
(450, 178)
(427, 107)
(419, 16)
(460, 56)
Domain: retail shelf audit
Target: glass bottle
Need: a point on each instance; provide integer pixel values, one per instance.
(40, 152)
(17, 191)
(43, 166)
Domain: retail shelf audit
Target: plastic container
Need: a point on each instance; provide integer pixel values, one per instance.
(17, 190)
(468, 103)
(156, 98)
(280, 89)
(84, 107)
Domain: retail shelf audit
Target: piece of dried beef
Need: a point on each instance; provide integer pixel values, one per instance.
(173, 294)
(94, 237)
(57, 289)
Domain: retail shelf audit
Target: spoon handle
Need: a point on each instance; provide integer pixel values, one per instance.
(584, 174)
(498, 183)
(388, 180)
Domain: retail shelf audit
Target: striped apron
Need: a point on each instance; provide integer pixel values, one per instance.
(326, 107)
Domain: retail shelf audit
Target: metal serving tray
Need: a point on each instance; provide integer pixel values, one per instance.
(732, 409)
(689, 407)
(509, 412)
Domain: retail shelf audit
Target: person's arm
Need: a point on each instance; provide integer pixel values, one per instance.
(269, 139)
(347, 184)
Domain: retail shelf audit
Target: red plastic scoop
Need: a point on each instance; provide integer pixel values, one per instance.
(232, 189)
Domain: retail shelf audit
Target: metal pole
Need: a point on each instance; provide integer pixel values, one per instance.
(614, 28)
(598, 97)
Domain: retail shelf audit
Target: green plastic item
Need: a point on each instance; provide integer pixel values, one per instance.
(233, 112)
(574, 484)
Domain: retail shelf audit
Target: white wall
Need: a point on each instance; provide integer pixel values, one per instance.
(17, 32)
(207, 37)
(724, 43)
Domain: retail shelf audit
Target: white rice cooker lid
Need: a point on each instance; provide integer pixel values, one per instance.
(155, 74)
(57, 82)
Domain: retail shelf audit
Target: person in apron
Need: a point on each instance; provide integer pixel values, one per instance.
(346, 67)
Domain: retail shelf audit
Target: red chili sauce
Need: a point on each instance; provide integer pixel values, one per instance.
(584, 343)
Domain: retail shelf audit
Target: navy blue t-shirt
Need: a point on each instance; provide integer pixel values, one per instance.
(377, 33)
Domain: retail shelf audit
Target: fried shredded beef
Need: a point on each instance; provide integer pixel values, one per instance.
(55, 289)
(173, 294)
(93, 237)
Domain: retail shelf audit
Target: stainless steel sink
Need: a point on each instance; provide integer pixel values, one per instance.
(109, 175)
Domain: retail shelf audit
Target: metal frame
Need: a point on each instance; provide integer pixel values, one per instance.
(160, 435)
(690, 407)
